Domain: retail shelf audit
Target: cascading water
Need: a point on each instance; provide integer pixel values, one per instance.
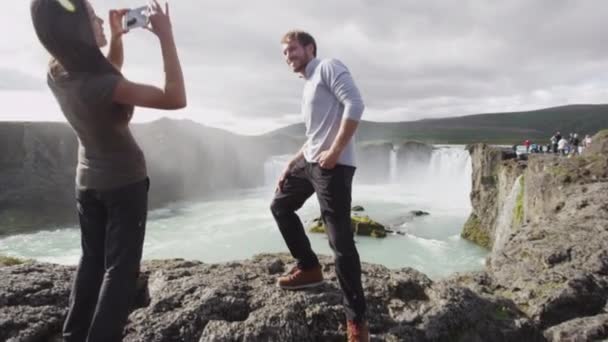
(273, 167)
(393, 165)
(450, 170)
(443, 177)
(450, 163)
(505, 218)
(449, 166)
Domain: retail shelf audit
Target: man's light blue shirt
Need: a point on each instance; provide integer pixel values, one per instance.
(330, 95)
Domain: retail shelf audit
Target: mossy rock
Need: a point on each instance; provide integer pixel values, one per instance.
(364, 226)
(10, 261)
(361, 225)
(418, 213)
(317, 226)
(473, 232)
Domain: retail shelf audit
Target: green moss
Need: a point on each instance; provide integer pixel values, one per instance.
(525, 254)
(489, 180)
(502, 313)
(518, 213)
(558, 171)
(10, 261)
(377, 233)
(547, 289)
(317, 226)
(473, 232)
(360, 225)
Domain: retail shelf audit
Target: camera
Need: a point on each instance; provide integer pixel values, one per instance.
(137, 17)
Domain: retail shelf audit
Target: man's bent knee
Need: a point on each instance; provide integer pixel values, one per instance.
(280, 207)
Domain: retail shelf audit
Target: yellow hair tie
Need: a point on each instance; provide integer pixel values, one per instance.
(67, 5)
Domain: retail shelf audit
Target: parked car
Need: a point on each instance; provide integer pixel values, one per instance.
(521, 152)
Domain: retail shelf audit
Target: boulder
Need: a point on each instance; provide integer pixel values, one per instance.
(361, 225)
(358, 208)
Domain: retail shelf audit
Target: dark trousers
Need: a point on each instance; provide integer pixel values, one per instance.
(113, 225)
(333, 189)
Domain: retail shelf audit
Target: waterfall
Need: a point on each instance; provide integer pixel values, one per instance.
(446, 172)
(273, 167)
(450, 169)
(393, 165)
(505, 217)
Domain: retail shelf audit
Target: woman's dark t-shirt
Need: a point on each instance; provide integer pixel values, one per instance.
(108, 155)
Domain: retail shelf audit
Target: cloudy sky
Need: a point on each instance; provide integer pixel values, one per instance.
(411, 59)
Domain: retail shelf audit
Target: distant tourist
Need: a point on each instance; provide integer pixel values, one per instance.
(562, 146)
(111, 178)
(586, 142)
(527, 144)
(576, 144)
(325, 165)
(553, 143)
(558, 137)
(534, 148)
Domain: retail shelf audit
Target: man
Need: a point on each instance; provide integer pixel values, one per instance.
(325, 165)
(558, 137)
(576, 144)
(562, 146)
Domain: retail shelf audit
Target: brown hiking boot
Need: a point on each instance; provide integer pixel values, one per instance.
(357, 331)
(301, 279)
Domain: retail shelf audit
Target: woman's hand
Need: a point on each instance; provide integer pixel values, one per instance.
(116, 28)
(160, 21)
(173, 95)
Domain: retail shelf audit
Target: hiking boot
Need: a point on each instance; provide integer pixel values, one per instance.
(357, 331)
(300, 279)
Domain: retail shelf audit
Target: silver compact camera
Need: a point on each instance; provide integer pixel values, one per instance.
(137, 17)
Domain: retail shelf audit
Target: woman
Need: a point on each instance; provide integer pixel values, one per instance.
(111, 179)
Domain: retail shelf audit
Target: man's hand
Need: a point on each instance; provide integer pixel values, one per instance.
(282, 179)
(116, 29)
(328, 159)
(285, 173)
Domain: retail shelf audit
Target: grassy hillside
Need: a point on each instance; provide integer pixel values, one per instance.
(499, 128)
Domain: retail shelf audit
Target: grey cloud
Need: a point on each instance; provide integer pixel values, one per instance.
(410, 58)
(11, 79)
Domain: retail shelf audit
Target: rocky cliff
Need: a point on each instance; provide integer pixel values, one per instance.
(495, 171)
(239, 301)
(551, 256)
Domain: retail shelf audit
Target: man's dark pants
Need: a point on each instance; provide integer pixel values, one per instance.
(333, 188)
(112, 227)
